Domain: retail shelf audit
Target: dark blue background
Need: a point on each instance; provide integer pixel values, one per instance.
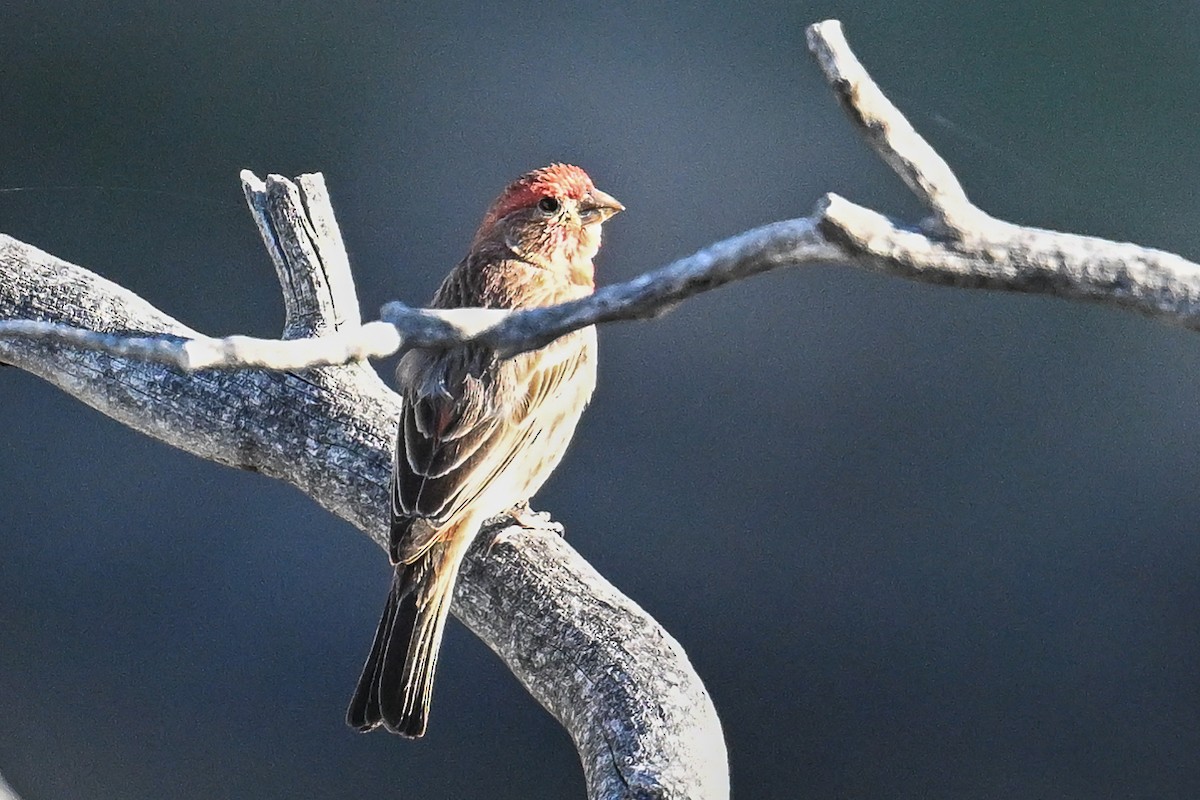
(919, 543)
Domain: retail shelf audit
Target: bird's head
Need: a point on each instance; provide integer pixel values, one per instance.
(551, 217)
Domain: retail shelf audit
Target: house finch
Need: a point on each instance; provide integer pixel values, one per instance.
(479, 435)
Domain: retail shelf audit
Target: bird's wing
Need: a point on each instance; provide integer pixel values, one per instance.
(465, 418)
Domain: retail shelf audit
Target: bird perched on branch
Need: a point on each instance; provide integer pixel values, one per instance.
(479, 435)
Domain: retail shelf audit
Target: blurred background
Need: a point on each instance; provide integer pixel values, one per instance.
(919, 543)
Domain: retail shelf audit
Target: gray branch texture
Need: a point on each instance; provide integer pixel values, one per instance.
(307, 410)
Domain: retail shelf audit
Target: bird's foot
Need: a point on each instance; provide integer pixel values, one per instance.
(526, 519)
(532, 520)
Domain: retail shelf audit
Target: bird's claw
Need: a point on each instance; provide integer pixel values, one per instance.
(532, 520)
(525, 519)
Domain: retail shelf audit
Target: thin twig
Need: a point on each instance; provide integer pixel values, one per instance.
(888, 132)
(373, 340)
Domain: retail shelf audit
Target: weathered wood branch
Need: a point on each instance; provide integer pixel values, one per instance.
(624, 689)
(638, 714)
(959, 245)
(7, 792)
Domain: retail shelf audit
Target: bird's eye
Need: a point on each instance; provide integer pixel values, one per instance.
(548, 204)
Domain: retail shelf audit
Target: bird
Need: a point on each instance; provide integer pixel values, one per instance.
(478, 434)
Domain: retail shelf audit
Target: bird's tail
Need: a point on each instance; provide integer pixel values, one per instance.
(397, 681)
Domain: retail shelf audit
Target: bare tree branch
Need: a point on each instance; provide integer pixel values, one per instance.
(373, 340)
(887, 131)
(640, 717)
(7, 792)
(961, 245)
(1014, 258)
(622, 687)
(508, 332)
(299, 230)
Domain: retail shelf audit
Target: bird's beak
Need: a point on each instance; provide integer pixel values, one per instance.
(598, 206)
